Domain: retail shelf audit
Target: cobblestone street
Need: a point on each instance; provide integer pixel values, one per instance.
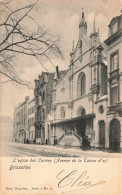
(20, 150)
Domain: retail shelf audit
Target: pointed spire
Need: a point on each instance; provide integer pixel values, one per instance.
(94, 27)
(98, 36)
(83, 24)
(83, 16)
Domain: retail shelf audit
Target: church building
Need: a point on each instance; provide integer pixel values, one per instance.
(79, 97)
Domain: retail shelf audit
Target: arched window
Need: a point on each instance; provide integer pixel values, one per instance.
(81, 111)
(81, 84)
(63, 112)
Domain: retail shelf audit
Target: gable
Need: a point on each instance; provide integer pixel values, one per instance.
(113, 20)
(83, 44)
(62, 80)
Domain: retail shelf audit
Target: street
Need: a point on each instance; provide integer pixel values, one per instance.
(10, 149)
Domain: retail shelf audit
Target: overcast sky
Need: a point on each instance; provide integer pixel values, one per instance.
(63, 16)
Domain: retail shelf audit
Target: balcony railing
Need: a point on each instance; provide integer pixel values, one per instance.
(116, 107)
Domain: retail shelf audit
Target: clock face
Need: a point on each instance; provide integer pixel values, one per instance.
(63, 90)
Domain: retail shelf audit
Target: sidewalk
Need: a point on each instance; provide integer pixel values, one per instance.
(71, 152)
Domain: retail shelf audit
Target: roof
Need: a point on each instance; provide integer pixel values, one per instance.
(113, 20)
(92, 115)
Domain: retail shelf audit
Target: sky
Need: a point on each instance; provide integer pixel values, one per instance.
(63, 17)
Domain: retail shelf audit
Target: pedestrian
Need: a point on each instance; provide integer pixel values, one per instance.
(46, 141)
(85, 142)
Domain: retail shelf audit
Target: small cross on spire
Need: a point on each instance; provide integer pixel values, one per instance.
(82, 12)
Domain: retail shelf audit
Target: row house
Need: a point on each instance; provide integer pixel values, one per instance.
(43, 101)
(23, 124)
(31, 121)
(20, 123)
(80, 96)
(114, 84)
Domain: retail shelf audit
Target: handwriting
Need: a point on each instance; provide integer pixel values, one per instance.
(75, 179)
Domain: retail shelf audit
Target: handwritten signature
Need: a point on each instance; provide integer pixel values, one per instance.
(76, 179)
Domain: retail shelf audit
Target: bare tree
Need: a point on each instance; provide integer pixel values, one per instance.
(20, 34)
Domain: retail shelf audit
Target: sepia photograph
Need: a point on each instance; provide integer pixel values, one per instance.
(60, 97)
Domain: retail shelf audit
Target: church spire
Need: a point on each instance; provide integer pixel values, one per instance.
(94, 35)
(83, 24)
(83, 15)
(94, 27)
(98, 36)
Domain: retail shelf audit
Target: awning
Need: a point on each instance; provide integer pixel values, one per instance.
(87, 116)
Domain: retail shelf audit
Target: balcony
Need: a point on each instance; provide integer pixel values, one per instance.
(114, 75)
(116, 108)
(39, 123)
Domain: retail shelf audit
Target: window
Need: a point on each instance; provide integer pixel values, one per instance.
(113, 95)
(43, 112)
(114, 28)
(43, 96)
(80, 46)
(81, 111)
(94, 76)
(114, 61)
(62, 112)
(101, 109)
(81, 84)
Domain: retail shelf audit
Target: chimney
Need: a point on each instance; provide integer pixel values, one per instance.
(56, 73)
(26, 98)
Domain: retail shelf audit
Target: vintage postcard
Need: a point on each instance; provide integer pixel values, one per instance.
(60, 97)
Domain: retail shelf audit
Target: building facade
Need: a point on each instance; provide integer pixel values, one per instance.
(20, 124)
(114, 84)
(31, 121)
(43, 101)
(80, 96)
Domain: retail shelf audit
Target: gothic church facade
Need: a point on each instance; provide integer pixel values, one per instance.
(80, 95)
